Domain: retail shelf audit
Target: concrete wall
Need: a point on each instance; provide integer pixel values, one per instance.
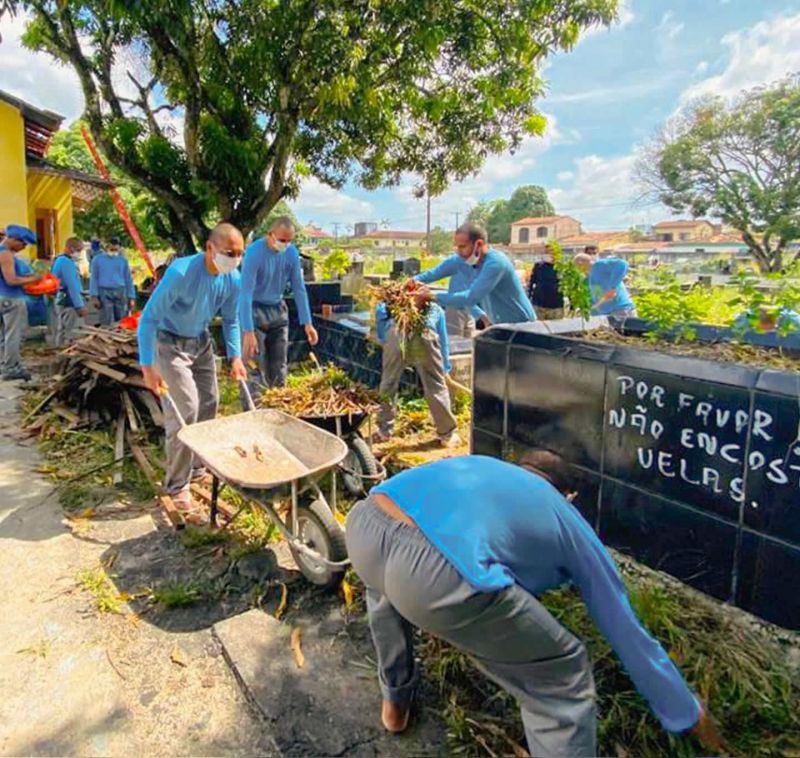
(13, 197)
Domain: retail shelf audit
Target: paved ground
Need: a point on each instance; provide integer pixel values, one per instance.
(154, 681)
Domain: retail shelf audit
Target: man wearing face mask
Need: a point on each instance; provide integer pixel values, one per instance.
(176, 350)
(496, 286)
(14, 274)
(69, 307)
(111, 284)
(269, 265)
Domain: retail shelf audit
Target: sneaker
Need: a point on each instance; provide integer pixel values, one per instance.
(450, 440)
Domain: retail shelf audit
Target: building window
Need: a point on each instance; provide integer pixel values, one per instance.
(684, 236)
(541, 232)
(524, 236)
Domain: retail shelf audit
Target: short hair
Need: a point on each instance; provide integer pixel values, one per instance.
(473, 231)
(224, 231)
(591, 247)
(549, 466)
(282, 222)
(73, 242)
(582, 258)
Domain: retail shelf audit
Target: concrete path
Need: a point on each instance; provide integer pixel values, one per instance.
(73, 682)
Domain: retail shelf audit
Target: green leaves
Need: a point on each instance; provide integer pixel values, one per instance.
(573, 284)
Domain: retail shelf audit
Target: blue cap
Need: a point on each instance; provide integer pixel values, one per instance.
(95, 245)
(21, 233)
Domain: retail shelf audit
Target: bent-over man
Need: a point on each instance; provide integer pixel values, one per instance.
(461, 548)
(176, 350)
(271, 263)
(606, 277)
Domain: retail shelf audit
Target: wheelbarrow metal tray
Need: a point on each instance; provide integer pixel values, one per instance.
(349, 422)
(262, 449)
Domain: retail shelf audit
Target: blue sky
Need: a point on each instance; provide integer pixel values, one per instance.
(605, 98)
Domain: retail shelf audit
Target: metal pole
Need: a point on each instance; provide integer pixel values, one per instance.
(428, 223)
(294, 510)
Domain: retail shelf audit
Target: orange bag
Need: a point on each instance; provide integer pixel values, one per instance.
(47, 285)
(131, 323)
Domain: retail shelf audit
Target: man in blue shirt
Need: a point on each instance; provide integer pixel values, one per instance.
(269, 265)
(14, 274)
(429, 354)
(460, 323)
(496, 286)
(111, 284)
(69, 307)
(176, 350)
(610, 296)
(768, 319)
(460, 548)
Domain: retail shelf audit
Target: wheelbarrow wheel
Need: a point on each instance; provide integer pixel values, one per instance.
(319, 530)
(361, 460)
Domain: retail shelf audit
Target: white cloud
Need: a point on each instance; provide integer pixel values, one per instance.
(36, 77)
(761, 54)
(602, 193)
(565, 176)
(701, 68)
(615, 94)
(325, 205)
(493, 179)
(669, 27)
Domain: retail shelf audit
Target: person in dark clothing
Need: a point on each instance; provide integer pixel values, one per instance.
(544, 292)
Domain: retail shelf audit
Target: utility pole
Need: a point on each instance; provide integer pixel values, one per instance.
(336, 229)
(458, 215)
(428, 221)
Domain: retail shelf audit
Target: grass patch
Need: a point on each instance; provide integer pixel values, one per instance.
(202, 536)
(739, 672)
(104, 595)
(176, 594)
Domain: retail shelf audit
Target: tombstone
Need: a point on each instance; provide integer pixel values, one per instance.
(307, 265)
(405, 267)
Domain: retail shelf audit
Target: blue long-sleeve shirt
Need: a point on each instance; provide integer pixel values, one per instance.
(606, 275)
(497, 288)
(111, 272)
(185, 301)
(67, 272)
(461, 277)
(435, 320)
(512, 527)
(265, 274)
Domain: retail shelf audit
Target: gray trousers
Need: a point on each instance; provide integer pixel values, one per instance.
(188, 367)
(113, 305)
(65, 321)
(459, 322)
(272, 333)
(425, 355)
(13, 325)
(508, 634)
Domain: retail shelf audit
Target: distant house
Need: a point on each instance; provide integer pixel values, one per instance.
(394, 241)
(36, 192)
(601, 240)
(315, 235)
(364, 227)
(684, 231)
(538, 230)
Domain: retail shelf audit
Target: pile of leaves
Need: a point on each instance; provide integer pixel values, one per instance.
(409, 318)
(571, 281)
(320, 393)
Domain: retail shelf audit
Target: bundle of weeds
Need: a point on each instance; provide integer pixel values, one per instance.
(409, 318)
(320, 394)
(740, 672)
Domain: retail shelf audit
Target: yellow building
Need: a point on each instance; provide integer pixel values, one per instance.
(35, 192)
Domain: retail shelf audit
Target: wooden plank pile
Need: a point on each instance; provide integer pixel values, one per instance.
(99, 381)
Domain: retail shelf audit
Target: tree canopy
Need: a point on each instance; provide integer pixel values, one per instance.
(738, 162)
(441, 241)
(498, 215)
(220, 107)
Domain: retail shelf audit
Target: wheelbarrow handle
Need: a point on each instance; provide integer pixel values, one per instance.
(248, 398)
(167, 398)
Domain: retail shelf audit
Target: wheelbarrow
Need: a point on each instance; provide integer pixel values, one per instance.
(360, 465)
(265, 455)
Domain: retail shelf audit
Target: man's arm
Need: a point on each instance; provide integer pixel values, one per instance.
(444, 342)
(73, 284)
(230, 321)
(490, 275)
(658, 680)
(441, 271)
(248, 285)
(9, 273)
(93, 269)
(155, 310)
(129, 286)
(299, 290)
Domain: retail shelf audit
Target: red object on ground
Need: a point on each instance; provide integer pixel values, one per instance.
(118, 204)
(131, 323)
(47, 285)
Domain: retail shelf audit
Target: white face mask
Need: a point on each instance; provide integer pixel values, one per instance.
(224, 263)
(279, 246)
(112, 252)
(474, 258)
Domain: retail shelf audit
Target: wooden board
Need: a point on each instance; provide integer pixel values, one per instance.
(173, 514)
(106, 371)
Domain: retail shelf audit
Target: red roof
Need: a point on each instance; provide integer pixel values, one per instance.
(542, 220)
(315, 231)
